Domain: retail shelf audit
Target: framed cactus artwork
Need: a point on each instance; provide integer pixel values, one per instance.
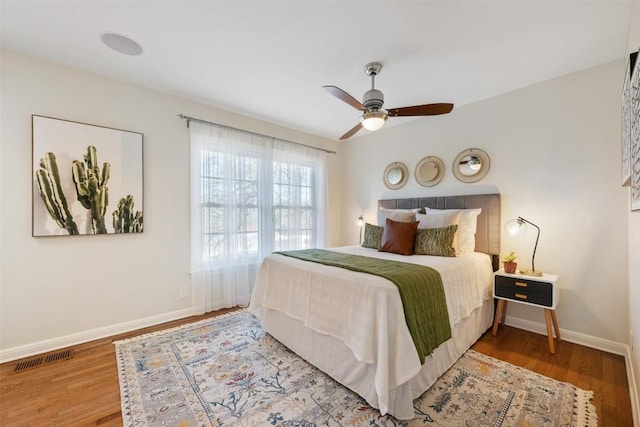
(87, 179)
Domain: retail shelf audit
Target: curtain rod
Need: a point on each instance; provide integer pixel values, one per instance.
(194, 119)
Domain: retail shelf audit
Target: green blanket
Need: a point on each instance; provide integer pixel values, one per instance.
(421, 291)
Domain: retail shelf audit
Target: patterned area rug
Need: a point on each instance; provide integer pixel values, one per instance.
(227, 371)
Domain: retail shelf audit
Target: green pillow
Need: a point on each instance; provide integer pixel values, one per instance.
(435, 241)
(372, 236)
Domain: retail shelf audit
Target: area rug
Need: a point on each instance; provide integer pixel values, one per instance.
(226, 371)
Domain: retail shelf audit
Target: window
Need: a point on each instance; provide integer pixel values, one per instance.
(237, 219)
(251, 195)
(294, 213)
(229, 206)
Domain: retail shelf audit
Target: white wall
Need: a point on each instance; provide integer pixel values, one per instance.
(634, 246)
(57, 290)
(555, 159)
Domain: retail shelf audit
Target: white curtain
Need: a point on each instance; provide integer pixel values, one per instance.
(250, 195)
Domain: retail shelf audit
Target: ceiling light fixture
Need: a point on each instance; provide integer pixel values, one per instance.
(373, 120)
(121, 44)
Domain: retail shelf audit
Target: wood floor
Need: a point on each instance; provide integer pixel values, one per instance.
(586, 368)
(84, 391)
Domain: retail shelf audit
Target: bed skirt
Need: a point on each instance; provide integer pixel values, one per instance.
(331, 356)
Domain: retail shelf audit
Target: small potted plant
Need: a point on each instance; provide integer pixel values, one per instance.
(509, 262)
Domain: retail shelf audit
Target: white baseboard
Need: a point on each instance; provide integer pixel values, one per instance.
(633, 391)
(593, 342)
(574, 337)
(45, 346)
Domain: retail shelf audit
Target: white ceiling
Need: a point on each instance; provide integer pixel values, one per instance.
(269, 59)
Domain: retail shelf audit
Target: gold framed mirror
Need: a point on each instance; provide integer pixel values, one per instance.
(429, 171)
(395, 175)
(471, 165)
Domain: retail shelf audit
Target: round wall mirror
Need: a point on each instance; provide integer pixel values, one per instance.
(395, 175)
(471, 165)
(429, 171)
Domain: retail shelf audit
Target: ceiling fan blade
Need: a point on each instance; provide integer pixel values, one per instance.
(421, 110)
(352, 132)
(344, 96)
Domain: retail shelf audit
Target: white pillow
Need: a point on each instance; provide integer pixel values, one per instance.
(466, 234)
(438, 221)
(399, 215)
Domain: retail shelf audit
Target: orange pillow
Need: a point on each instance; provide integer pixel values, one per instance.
(398, 237)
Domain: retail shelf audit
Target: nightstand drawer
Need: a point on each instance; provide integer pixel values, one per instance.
(531, 291)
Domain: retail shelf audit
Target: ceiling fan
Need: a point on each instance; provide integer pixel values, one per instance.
(374, 116)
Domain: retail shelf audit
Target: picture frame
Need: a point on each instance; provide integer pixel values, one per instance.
(634, 155)
(626, 121)
(87, 179)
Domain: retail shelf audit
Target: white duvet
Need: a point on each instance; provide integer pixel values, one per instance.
(365, 311)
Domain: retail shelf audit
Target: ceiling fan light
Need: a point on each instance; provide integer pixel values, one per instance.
(373, 120)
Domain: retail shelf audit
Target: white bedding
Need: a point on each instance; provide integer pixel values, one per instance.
(368, 320)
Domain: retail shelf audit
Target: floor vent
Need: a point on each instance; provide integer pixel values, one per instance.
(61, 355)
(44, 360)
(31, 363)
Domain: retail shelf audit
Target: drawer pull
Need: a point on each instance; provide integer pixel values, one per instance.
(521, 296)
(521, 284)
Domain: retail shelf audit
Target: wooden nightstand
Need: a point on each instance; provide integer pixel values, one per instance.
(531, 290)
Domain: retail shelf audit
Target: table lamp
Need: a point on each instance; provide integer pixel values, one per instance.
(517, 227)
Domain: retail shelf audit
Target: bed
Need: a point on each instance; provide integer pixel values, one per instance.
(357, 333)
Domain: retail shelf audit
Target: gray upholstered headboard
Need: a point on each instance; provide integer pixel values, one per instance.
(488, 230)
